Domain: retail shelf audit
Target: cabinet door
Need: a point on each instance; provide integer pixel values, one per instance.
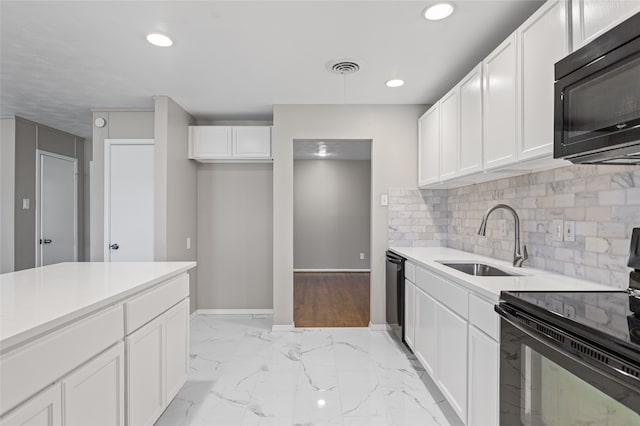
(145, 378)
(94, 393)
(252, 142)
(210, 142)
(429, 146)
(44, 409)
(409, 313)
(177, 344)
(500, 105)
(484, 391)
(426, 333)
(543, 40)
(449, 142)
(591, 18)
(471, 122)
(452, 359)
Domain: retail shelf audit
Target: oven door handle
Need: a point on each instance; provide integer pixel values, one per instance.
(621, 377)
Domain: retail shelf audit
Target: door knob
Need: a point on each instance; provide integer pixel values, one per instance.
(114, 246)
(45, 241)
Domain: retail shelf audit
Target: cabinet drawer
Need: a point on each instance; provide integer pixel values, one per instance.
(449, 294)
(30, 368)
(482, 316)
(154, 302)
(410, 271)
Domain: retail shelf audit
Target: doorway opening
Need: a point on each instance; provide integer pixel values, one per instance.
(332, 232)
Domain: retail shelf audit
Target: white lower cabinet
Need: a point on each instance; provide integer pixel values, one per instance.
(426, 332)
(409, 313)
(484, 380)
(94, 393)
(43, 409)
(156, 358)
(452, 359)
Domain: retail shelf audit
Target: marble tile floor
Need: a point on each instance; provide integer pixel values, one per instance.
(244, 374)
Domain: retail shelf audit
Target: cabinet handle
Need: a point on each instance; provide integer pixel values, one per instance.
(45, 241)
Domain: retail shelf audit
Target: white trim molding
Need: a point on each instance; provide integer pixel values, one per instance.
(235, 311)
(378, 327)
(332, 270)
(193, 314)
(283, 327)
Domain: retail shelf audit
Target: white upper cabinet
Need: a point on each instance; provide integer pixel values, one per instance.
(591, 18)
(449, 141)
(542, 41)
(471, 122)
(429, 146)
(500, 104)
(223, 143)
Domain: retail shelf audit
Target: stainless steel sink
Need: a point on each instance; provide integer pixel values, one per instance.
(479, 269)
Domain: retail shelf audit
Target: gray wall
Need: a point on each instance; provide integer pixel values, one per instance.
(7, 192)
(120, 125)
(235, 222)
(393, 130)
(176, 188)
(30, 136)
(331, 214)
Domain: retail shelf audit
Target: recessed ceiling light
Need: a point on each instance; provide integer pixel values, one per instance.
(438, 11)
(160, 40)
(395, 83)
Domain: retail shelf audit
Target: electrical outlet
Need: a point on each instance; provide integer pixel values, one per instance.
(569, 230)
(557, 229)
(569, 311)
(188, 243)
(384, 200)
(361, 256)
(25, 204)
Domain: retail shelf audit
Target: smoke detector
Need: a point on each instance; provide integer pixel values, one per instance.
(343, 66)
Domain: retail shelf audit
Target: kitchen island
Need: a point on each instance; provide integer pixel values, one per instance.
(74, 336)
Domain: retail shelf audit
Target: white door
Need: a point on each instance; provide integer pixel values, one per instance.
(129, 209)
(44, 409)
(177, 346)
(429, 146)
(56, 209)
(409, 313)
(426, 332)
(484, 379)
(452, 359)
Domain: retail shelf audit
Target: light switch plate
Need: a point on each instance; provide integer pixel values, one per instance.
(569, 230)
(25, 204)
(361, 256)
(557, 230)
(188, 243)
(384, 200)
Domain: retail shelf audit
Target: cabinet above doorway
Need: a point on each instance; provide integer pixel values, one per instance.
(209, 144)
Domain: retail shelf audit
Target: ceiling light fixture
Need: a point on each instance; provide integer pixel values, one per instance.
(438, 11)
(159, 40)
(395, 83)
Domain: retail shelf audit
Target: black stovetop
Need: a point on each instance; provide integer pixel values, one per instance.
(610, 319)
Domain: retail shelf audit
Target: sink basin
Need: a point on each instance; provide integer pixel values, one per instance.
(479, 269)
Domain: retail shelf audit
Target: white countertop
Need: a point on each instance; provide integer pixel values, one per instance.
(530, 279)
(38, 300)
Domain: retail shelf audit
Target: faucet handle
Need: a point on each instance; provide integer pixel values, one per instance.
(525, 255)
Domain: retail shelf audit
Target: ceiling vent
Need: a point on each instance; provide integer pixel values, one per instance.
(343, 67)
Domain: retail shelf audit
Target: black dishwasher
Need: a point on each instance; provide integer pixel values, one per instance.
(395, 293)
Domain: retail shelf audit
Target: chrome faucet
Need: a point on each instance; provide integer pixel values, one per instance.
(518, 256)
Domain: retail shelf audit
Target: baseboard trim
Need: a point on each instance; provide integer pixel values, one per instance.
(283, 327)
(332, 270)
(235, 311)
(378, 327)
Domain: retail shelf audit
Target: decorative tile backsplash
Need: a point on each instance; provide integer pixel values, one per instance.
(604, 202)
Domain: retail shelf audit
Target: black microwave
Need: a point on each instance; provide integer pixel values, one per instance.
(597, 99)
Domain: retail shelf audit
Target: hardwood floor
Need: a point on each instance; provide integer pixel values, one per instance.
(328, 299)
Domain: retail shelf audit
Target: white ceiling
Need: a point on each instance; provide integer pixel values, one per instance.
(336, 149)
(232, 60)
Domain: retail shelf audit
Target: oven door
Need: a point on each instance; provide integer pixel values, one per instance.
(543, 384)
(597, 107)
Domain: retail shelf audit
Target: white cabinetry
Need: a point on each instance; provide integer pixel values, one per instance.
(452, 359)
(500, 105)
(591, 18)
(426, 332)
(471, 122)
(220, 143)
(409, 313)
(94, 393)
(429, 146)
(156, 362)
(43, 409)
(449, 141)
(484, 378)
(542, 41)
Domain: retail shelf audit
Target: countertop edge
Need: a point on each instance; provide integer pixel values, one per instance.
(10, 343)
